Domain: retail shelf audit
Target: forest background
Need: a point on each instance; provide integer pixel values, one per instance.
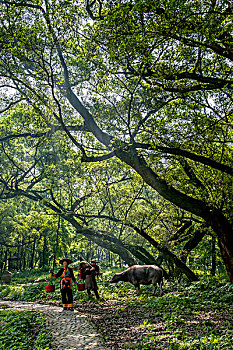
(116, 144)
(116, 134)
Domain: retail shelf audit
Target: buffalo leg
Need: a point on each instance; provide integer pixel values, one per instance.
(160, 287)
(137, 288)
(154, 288)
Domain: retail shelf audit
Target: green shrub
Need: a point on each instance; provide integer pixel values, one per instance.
(23, 330)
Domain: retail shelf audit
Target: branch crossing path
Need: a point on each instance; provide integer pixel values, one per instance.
(79, 332)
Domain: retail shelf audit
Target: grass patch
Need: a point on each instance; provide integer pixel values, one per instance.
(23, 330)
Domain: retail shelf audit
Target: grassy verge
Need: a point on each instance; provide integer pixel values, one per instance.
(23, 330)
(188, 316)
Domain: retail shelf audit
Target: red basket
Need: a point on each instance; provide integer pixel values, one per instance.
(50, 288)
(81, 285)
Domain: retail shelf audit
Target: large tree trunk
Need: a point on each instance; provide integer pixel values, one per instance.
(224, 233)
(104, 240)
(138, 252)
(109, 244)
(116, 246)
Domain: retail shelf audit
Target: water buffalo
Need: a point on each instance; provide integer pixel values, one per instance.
(141, 274)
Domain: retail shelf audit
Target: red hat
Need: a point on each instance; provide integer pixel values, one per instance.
(65, 259)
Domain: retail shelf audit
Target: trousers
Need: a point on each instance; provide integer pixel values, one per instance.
(95, 291)
(67, 296)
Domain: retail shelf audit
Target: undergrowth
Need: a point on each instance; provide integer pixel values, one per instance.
(22, 330)
(189, 316)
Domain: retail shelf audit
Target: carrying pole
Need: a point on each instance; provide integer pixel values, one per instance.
(85, 260)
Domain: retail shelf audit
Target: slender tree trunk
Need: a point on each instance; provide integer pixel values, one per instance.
(18, 259)
(88, 255)
(213, 257)
(5, 260)
(9, 261)
(57, 241)
(24, 258)
(45, 260)
(33, 254)
(1, 264)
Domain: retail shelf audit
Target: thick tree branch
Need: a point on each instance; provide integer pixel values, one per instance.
(202, 83)
(189, 171)
(154, 243)
(215, 47)
(15, 245)
(139, 253)
(54, 129)
(22, 4)
(180, 231)
(90, 12)
(191, 244)
(210, 82)
(187, 154)
(10, 105)
(90, 159)
(79, 200)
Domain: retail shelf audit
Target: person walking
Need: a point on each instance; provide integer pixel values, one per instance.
(67, 276)
(88, 273)
(96, 267)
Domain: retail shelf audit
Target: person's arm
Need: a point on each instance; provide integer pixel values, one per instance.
(97, 270)
(58, 274)
(72, 276)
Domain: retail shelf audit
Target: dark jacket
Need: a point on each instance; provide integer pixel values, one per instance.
(66, 277)
(89, 277)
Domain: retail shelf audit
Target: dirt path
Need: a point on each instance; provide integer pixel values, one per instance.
(80, 332)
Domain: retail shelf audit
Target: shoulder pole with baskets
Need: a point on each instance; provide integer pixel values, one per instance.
(50, 287)
(81, 284)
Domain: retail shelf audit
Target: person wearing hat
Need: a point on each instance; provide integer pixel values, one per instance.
(67, 275)
(88, 273)
(96, 267)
